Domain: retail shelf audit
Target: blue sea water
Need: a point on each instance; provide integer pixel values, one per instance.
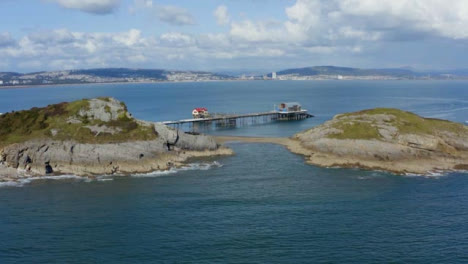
(262, 205)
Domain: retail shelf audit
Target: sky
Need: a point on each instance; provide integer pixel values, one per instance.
(232, 35)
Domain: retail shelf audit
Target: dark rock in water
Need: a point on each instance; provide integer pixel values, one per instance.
(48, 168)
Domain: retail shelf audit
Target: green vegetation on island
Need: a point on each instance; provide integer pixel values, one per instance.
(108, 123)
(386, 139)
(360, 125)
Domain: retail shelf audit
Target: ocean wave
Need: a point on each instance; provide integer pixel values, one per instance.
(189, 167)
(429, 175)
(104, 178)
(24, 181)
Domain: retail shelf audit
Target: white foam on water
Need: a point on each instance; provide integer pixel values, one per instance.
(189, 167)
(11, 184)
(23, 181)
(104, 178)
(429, 175)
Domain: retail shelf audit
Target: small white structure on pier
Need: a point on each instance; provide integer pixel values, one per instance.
(200, 112)
(290, 107)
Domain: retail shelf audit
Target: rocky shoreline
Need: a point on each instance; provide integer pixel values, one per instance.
(119, 151)
(99, 137)
(380, 139)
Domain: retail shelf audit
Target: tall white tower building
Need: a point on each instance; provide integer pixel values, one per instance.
(273, 75)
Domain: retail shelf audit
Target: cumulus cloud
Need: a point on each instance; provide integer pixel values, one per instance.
(221, 15)
(175, 39)
(79, 49)
(91, 6)
(174, 15)
(446, 19)
(170, 14)
(312, 32)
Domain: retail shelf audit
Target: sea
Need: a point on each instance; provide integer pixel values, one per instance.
(261, 205)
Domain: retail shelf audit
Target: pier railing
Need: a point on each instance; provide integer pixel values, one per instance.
(233, 120)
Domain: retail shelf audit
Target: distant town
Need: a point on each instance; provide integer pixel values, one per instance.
(125, 75)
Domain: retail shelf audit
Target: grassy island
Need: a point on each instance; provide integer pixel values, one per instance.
(101, 120)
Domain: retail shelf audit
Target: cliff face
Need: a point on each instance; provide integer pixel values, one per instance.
(387, 139)
(96, 136)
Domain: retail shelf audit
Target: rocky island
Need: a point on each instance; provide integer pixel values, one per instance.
(387, 139)
(92, 137)
(99, 136)
(380, 139)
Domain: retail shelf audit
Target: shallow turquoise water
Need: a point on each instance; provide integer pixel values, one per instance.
(262, 205)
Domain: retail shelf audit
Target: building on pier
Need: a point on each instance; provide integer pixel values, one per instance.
(289, 107)
(200, 112)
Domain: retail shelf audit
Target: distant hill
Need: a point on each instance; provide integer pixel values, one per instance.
(122, 73)
(345, 71)
(334, 72)
(114, 75)
(106, 75)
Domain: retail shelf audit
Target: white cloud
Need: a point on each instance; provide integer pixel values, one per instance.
(444, 18)
(263, 31)
(221, 15)
(174, 15)
(312, 31)
(130, 38)
(91, 6)
(176, 39)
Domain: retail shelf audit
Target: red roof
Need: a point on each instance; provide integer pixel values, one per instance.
(201, 109)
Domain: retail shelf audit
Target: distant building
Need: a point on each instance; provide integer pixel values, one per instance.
(1, 82)
(14, 82)
(200, 112)
(289, 107)
(273, 75)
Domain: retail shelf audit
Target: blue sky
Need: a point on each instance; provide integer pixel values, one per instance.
(259, 35)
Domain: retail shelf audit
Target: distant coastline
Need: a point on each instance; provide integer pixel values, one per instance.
(99, 83)
(125, 76)
(204, 81)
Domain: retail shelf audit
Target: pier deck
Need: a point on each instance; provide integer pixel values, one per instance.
(271, 115)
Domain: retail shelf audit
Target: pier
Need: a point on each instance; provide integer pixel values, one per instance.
(203, 120)
(234, 120)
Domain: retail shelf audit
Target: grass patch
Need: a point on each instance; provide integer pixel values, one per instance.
(107, 109)
(357, 126)
(410, 123)
(105, 99)
(356, 130)
(37, 123)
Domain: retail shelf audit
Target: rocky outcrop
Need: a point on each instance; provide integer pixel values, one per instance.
(166, 147)
(103, 109)
(386, 139)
